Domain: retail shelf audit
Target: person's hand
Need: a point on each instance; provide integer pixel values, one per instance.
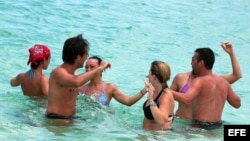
(150, 89)
(146, 83)
(227, 46)
(105, 64)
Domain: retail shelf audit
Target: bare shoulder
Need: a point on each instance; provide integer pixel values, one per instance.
(180, 79)
(220, 79)
(15, 81)
(217, 77)
(44, 77)
(109, 85)
(199, 81)
(58, 71)
(168, 92)
(178, 75)
(167, 96)
(111, 88)
(21, 75)
(55, 70)
(181, 76)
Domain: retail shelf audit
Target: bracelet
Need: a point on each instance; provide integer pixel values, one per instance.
(152, 103)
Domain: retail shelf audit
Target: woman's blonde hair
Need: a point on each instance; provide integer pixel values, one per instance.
(162, 71)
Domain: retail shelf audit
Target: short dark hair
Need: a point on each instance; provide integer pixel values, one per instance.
(207, 55)
(74, 46)
(97, 58)
(35, 65)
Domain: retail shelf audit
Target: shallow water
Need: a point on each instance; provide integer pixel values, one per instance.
(130, 35)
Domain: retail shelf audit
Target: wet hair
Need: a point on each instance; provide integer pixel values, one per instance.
(162, 71)
(74, 46)
(97, 58)
(207, 55)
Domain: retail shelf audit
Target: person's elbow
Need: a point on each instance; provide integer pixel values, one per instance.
(239, 76)
(128, 103)
(181, 98)
(13, 83)
(185, 101)
(237, 104)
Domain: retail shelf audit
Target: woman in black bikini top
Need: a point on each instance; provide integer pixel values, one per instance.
(159, 107)
(147, 110)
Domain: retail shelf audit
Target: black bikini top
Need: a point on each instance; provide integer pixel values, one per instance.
(147, 110)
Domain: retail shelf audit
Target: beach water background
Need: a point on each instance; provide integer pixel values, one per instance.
(130, 34)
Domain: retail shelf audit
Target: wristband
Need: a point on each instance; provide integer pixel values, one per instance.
(152, 103)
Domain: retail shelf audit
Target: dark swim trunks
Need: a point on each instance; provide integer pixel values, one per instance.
(57, 116)
(206, 125)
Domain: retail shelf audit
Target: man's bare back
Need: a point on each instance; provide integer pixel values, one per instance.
(208, 92)
(182, 81)
(213, 93)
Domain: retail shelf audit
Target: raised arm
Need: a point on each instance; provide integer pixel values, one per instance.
(125, 99)
(66, 79)
(236, 74)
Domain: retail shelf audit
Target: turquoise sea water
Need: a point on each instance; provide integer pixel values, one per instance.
(130, 34)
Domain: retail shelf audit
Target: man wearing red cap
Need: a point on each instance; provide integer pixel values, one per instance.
(34, 82)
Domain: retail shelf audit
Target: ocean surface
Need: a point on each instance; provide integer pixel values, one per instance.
(129, 34)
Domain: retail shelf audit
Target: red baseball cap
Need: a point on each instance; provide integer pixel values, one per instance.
(38, 51)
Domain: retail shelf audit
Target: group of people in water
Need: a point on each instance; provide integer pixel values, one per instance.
(201, 94)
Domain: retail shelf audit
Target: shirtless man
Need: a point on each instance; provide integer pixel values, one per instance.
(208, 92)
(34, 82)
(182, 81)
(64, 82)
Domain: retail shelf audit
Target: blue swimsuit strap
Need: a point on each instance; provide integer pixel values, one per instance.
(103, 97)
(31, 73)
